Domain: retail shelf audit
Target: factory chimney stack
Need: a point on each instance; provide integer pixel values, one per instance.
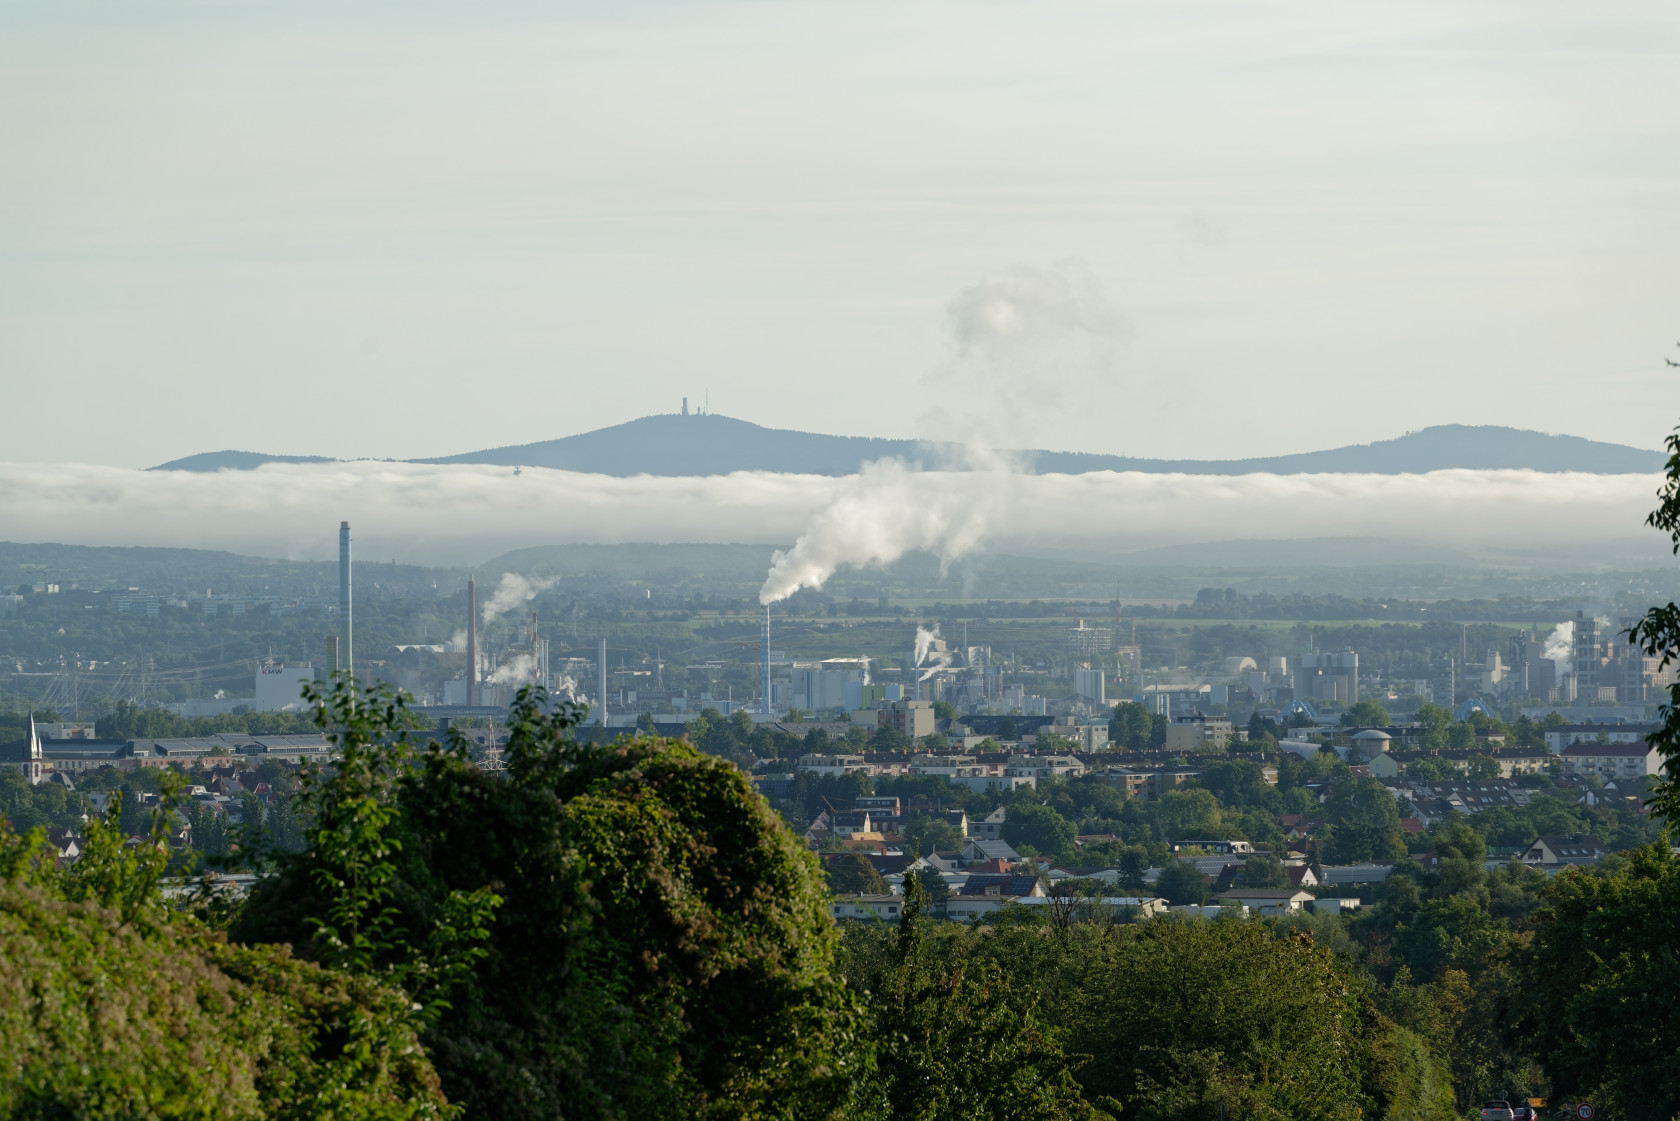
(603, 668)
(472, 641)
(346, 662)
(764, 660)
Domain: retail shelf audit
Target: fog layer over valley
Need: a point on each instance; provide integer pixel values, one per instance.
(437, 514)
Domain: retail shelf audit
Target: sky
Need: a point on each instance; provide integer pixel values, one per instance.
(367, 229)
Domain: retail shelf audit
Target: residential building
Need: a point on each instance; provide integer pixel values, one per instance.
(988, 828)
(1269, 901)
(977, 850)
(1196, 733)
(853, 824)
(1007, 884)
(1044, 766)
(911, 718)
(883, 908)
(1085, 737)
(834, 764)
(1566, 735)
(1339, 874)
(887, 805)
(1636, 759)
(1563, 850)
(774, 787)
(1512, 762)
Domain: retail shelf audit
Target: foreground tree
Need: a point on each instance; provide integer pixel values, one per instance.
(1658, 634)
(956, 1040)
(659, 944)
(115, 1005)
(1602, 979)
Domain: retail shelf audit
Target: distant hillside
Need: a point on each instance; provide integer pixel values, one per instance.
(717, 445)
(234, 461)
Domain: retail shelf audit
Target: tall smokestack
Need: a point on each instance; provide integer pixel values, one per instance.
(603, 666)
(472, 641)
(764, 660)
(346, 662)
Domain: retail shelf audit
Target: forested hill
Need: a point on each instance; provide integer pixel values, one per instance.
(671, 444)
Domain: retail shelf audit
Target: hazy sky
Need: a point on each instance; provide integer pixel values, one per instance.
(404, 229)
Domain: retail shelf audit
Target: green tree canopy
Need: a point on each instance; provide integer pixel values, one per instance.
(1602, 978)
(1040, 827)
(663, 943)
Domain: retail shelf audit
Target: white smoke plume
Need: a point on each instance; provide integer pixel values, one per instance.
(1560, 647)
(1021, 342)
(928, 660)
(924, 641)
(513, 591)
(886, 511)
(518, 670)
(458, 641)
(1026, 343)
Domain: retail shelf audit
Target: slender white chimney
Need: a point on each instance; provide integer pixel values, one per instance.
(346, 662)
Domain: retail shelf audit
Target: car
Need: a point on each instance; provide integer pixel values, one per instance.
(1522, 1111)
(1498, 1111)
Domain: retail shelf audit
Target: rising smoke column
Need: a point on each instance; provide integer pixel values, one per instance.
(1560, 647)
(513, 591)
(887, 510)
(928, 661)
(1021, 343)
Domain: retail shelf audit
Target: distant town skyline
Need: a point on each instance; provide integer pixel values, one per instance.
(1206, 230)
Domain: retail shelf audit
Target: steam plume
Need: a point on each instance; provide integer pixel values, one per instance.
(887, 510)
(1020, 341)
(513, 591)
(928, 660)
(1560, 647)
(518, 670)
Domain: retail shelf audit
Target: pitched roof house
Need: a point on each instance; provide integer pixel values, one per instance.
(1558, 850)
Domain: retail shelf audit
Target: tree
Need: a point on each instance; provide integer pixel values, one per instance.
(853, 874)
(1481, 766)
(1365, 714)
(1364, 823)
(958, 1041)
(1188, 814)
(1181, 1018)
(116, 997)
(931, 834)
(663, 946)
(934, 888)
(1263, 869)
(1041, 828)
(1180, 883)
(1605, 966)
(1133, 864)
(1657, 634)
(1131, 726)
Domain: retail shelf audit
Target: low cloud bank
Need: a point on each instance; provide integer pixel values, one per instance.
(465, 514)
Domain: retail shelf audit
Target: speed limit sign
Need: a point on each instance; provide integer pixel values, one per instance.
(1584, 1112)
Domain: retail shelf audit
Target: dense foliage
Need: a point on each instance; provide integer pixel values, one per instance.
(603, 931)
(116, 1005)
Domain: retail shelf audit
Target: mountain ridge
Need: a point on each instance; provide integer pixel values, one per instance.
(672, 444)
